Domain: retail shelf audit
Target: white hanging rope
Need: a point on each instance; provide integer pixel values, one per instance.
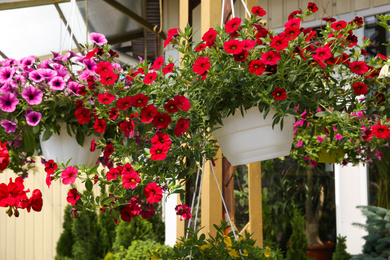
(71, 11)
(246, 8)
(224, 205)
(222, 12)
(194, 196)
(71, 28)
(232, 4)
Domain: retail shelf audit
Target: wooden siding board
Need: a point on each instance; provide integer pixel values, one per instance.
(343, 7)
(380, 2)
(276, 13)
(360, 4)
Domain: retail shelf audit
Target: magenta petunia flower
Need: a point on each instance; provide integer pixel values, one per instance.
(48, 74)
(98, 38)
(36, 76)
(27, 62)
(69, 175)
(33, 118)
(8, 102)
(20, 80)
(57, 83)
(32, 95)
(74, 87)
(6, 74)
(9, 126)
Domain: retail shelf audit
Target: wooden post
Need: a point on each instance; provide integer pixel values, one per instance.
(211, 208)
(255, 203)
(183, 21)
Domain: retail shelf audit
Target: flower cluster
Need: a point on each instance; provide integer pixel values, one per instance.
(14, 197)
(140, 123)
(295, 71)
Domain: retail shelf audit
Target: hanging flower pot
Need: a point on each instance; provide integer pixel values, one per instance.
(251, 138)
(331, 156)
(63, 147)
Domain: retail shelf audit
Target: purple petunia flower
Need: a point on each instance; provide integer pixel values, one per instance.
(9, 126)
(36, 76)
(98, 38)
(6, 74)
(20, 80)
(60, 69)
(33, 118)
(8, 102)
(32, 95)
(90, 64)
(57, 83)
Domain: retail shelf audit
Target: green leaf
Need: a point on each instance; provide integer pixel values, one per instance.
(322, 114)
(107, 200)
(46, 135)
(88, 185)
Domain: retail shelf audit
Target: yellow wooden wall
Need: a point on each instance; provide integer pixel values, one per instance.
(34, 235)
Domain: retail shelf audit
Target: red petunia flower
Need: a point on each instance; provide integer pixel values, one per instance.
(69, 175)
(257, 10)
(140, 100)
(83, 115)
(171, 106)
(112, 174)
(108, 150)
(337, 26)
(161, 120)
(359, 67)
(233, 46)
(36, 201)
(183, 211)
(73, 196)
(148, 113)
(200, 47)
(181, 126)
(113, 113)
(358, 20)
(279, 94)
(270, 57)
(105, 98)
(130, 180)
(161, 138)
(329, 19)
(158, 63)
(150, 77)
(100, 125)
(127, 126)
(210, 36)
(256, 67)
(103, 67)
(359, 88)
(168, 69)
(153, 193)
(279, 42)
(93, 145)
(108, 78)
(147, 211)
(241, 56)
(158, 152)
(182, 102)
(124, 103)
(312, 7)
(50, 167)
(201, 65)
(322, 53)
(294, 14)
(4, 156)
(293, 23)
(380, 131)
(232, 25)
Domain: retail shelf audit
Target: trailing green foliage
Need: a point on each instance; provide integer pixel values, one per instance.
(298, 240)
(140, 250)
(341, 250)
(377, 225)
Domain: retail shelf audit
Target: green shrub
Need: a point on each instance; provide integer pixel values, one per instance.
(137, 229)
(340, 252)
(140, 250)
(298, 240)
(65, 242)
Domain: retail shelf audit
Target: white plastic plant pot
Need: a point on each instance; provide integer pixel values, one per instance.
(251, 138)
(63, 147)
